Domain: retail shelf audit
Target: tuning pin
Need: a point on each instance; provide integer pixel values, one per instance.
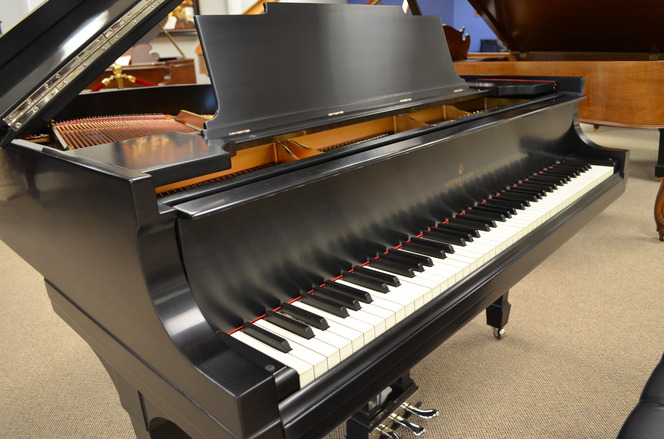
(387, 432)
(414, 428)
(426, 414)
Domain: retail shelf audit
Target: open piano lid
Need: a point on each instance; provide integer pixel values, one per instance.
(50, 56)
(325, 63)
(575, 26)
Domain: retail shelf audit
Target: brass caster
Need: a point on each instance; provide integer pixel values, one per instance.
(499, 333)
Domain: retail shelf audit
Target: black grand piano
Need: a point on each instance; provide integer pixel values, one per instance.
(269, 255)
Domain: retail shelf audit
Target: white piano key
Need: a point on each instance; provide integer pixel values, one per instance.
(344, 345)
(304, 370)
(367, 329)
(356, 337)
(387, 316)
(398, 310)
(407, 302)
(328, 352)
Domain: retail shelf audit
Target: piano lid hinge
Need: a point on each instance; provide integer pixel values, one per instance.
(523, 56)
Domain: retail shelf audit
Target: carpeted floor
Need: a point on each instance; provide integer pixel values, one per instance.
(585, 331)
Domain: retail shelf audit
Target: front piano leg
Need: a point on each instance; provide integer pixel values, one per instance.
(388, 413)
(497, 315)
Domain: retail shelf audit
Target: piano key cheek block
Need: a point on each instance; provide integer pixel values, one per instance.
(269, 255)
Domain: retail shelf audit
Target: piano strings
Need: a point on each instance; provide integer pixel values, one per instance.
(86, 132)
(82, 133)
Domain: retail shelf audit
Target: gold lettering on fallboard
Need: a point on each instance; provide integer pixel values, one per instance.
(457, 181)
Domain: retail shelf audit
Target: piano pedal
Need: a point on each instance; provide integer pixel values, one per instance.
(386, 432)
(390, 415)
(415, 410)
(416, 429)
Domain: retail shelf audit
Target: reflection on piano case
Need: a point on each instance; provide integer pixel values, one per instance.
(350, 205)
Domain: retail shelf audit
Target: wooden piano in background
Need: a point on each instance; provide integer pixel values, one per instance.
(167, 72)
(617, 48)
(278, 266)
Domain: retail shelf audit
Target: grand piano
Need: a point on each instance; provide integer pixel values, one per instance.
(268, 256)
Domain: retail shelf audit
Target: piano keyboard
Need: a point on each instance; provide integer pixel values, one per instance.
(323, 327)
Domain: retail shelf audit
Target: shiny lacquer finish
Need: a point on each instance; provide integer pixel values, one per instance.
(157, 284)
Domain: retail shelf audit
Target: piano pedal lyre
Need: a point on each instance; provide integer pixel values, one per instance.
(390, 415)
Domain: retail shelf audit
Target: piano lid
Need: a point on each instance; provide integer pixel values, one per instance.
(50, 56)
(325, 63)
(575, 26)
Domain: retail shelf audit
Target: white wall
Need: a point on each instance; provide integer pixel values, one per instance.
(13, 11)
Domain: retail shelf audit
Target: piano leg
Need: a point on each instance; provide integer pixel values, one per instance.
(659, 167)
(140, 410)
(388, 411)
(497, 315)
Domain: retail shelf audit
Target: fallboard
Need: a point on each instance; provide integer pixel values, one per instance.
(252, 247)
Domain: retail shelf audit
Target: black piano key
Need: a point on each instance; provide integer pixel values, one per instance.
(377, 275)
(444, 246)
(543, 186)
(508, 212)
(337, 298)
(325, 305)
(564, 176)
(468, 231)
(305, 316)
(424, 260)
(578, 167)
(355, 293)
(289, 324)
(493, 216)
(392, 267)
(559, 175)
(514, 197)
(270, 339)
(505, 203)
(395, 257)
(478, 224)
(425, 247)
(366, 282)
(529, 195)
(531, 190)
(575, 172)
(449, 238)
(542, 179)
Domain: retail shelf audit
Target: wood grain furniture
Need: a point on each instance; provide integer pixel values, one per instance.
(659, 211)
(614, 47)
